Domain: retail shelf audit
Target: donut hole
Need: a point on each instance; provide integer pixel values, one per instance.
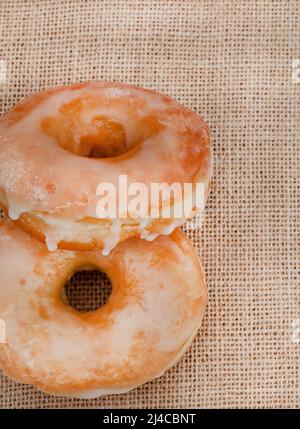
(78, 129)
(107, 141)
(87, 290)
(102, 137)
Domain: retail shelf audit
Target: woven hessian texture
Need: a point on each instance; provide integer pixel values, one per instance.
(88, 290)
(230, 61)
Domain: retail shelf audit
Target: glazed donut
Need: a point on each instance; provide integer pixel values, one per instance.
(57, 146)
(157, 303)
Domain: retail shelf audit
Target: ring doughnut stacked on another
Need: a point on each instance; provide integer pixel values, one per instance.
(55, 148)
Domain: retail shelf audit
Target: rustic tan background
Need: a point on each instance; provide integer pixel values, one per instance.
(231, 61)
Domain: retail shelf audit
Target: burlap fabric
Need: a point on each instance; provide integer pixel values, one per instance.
(231, 61)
